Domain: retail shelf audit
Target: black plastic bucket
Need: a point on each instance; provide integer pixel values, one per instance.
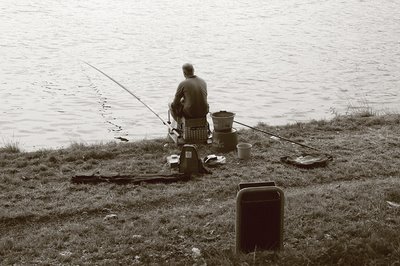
(225, 141)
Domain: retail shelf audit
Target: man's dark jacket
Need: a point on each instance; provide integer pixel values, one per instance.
(191, 98)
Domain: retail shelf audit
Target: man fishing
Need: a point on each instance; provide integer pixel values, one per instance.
(191, 96)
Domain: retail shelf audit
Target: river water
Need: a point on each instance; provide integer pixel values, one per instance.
(277, 61)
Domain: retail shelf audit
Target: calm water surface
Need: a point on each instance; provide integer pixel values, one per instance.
(272, 61)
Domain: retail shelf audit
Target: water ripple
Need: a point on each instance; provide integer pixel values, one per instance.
(274, 62)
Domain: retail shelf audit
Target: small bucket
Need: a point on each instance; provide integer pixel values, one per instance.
(243, 150)
(222, 121)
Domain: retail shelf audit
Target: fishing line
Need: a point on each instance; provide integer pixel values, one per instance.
(104, 107)
(131, 93)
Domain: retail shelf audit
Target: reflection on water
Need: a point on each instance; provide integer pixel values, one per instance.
(276, 62)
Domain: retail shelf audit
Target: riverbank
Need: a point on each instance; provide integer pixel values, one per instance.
(344, 213)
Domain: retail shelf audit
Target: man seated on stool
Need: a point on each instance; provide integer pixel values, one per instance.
(190, 98)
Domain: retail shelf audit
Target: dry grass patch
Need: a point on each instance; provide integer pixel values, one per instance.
(333, 215)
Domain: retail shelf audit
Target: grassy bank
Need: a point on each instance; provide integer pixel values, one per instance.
(344, 213)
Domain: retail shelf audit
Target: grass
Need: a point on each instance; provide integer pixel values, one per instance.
(334, 215)
(10, 147)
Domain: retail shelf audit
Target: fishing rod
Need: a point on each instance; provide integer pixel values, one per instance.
(131, 93)
(277, 136)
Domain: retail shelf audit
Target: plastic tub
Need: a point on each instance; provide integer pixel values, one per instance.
(222, 121)
(225, 141)
(244, 150)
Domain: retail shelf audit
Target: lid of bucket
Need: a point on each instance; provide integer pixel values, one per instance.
(223, 114)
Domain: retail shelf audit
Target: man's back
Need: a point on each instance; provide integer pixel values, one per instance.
(194, 92)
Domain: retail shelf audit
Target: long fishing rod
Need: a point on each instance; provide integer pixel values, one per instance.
(277, 136)
(131, 93)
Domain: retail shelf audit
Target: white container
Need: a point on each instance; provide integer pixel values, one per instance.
(244, 150)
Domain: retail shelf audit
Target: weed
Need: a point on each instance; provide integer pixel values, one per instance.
(10, 147)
